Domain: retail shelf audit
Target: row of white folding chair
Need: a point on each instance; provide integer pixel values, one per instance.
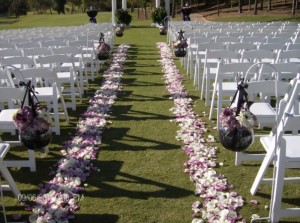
(67, 72)
(265, 113)
(224, 87)
(67, 75)
(31, 55)
(212, 58)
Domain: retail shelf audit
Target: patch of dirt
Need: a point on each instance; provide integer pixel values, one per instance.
(210, 13)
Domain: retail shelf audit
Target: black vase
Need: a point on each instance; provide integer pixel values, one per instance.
(163, 32)
(237, 139)
(119, 34)
(102, 56)
(180, 52)
(34, 139)
(92, 13)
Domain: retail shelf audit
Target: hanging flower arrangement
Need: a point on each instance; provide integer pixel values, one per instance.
(237, 123)
(180, 45)
(119, 30)
(162, 29)
(103, 49)
(33, 122)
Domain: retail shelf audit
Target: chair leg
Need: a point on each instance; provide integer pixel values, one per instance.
(275, 210)
(32, 163)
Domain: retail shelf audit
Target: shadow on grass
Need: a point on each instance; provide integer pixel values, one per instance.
(111, 174)
(116, 138)
(108, 218)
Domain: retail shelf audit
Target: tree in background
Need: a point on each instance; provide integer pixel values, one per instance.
(4, 5)
(74, 4)
(19, 7)
(59, 6)
(41, 5)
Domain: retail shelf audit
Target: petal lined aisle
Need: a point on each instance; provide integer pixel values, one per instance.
(217, 204)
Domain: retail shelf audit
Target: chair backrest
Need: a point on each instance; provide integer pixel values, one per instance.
(68, 50)
(6, 45)
(285, 71)
(226, 56)
(288, 56)
(241, 46)
(266, 87)
(19, 62)
(27, 45)
(228, 39)
(53, 43)
(56, 61)
(37, 51)
(10, 53)
(5, 79)
(272, 46)
(43, 77)
(11, 95)
(295, 46)
(255, 56)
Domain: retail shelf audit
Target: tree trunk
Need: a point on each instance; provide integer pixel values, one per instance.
(240, 6)
(218, 7)
(249, 7)
(255, 7)
(173, 9)
(145, 11)
(261, 4)
(270, 5)
(294, 7)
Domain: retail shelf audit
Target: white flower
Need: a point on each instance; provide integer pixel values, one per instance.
(196, 220)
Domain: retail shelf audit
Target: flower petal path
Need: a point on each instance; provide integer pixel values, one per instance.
(58, 198)
(218, 204)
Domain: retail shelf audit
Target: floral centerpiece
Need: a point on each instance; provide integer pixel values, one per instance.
(103, 50)
(162, 29)
(180, 45)
(236, 132)
(33, 123)
(119, 30)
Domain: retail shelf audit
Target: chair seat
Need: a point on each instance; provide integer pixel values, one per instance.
(292, 143)
(263, 112)
(64, 76)
(44, 93)
(6, 116)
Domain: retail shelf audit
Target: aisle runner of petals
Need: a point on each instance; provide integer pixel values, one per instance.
(59, 197)
(218, 204)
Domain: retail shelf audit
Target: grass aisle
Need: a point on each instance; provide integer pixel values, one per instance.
(141, 178)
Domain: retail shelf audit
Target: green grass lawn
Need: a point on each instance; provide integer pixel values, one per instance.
(141, 177)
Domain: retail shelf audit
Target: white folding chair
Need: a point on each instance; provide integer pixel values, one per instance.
(283, 149)
(77, 54)
(48, 90)
(12, 95)
(89, 55)
(66, 74)
(210, 67)
(264, 112)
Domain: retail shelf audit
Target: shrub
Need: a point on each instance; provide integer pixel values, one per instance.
(123, 16)
(158, 15)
